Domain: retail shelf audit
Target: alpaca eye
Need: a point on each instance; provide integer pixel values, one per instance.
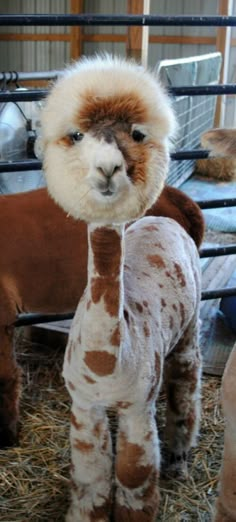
(138, 135)
(76, 136)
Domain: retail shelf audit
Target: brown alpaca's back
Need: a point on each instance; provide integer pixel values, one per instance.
(43, 268)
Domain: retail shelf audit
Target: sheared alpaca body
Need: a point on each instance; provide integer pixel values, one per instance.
(38, 272)
(223, 142)
(106, 158)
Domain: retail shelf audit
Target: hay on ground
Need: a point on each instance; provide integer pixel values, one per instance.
(34, 478)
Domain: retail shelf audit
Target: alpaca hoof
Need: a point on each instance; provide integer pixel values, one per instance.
(176, 467)
(9, 436)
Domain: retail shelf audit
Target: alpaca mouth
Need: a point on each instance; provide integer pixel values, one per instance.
(107, 192)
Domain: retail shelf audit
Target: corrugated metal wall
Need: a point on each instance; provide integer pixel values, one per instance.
(36, 56)
(30, 56)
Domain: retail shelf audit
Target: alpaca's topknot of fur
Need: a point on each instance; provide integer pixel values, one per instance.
(104, 76)
(106, 127)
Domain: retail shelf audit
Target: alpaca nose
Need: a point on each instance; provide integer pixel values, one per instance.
(108, 168)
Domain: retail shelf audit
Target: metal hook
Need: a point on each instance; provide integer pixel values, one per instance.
(4, 81)
(16, 79)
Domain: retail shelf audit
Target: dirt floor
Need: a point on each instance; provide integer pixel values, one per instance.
(34, 477)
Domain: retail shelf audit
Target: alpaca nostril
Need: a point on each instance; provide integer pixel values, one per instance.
(108, 171)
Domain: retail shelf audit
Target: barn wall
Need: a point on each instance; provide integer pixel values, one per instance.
(36, 56)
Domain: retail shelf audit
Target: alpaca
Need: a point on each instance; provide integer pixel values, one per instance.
(223, 142)
(38, 272)
(106, 158)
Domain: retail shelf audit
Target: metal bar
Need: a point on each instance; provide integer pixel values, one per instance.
(200, 90)
(18, 95)
(219, 292)
(19, 166)
(15, 166)
(119, 20)
(218, 251)
(216, 203)
(37, 318)
(14, 76)
(190, 154)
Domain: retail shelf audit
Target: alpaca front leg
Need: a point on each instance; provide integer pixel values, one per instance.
(183, 383)
(137, 468)
(91, 464)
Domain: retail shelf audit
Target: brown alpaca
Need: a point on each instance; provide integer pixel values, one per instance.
(222, 143)
(41, 247)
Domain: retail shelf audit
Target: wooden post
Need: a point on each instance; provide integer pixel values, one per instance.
(137, 36)
(223, 41)
(76, 32)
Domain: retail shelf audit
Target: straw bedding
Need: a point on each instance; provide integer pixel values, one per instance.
(34, 477)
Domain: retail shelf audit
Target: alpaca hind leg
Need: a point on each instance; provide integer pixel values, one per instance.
(91, 466)
(10, 387)
(137, 467)
(183, 383)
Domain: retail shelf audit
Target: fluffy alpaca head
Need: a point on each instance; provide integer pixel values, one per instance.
(106, 129)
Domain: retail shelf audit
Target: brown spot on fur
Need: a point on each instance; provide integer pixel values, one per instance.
(83, 446)
(145, 274)
(157, 364)
(168, 274)
(148, 436)
(179, 274)
(89, 379)
(151, 227)
(163, 303)
(129, 471)
(115, 337)
(146, 329)
(97, 430)
(71, 386)
(182, 314)
(69, 353)
(88, 304)
(77, 425)
(125, 108)
(156, 260)
(150, 499)
(124, 405)
(174, 307)
(136, 158)
(106, 247)
(145, 303)
(171, 322)
(101, 363)
(152, 392)
(139, 307)
(65, 141)
(109, 290)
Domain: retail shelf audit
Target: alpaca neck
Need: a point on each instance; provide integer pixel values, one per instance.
(105, 296)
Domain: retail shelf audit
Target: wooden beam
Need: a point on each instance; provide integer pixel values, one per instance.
(29, 37)
(154, 38)
(223, 37)
(138, 37)
(76, 32)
